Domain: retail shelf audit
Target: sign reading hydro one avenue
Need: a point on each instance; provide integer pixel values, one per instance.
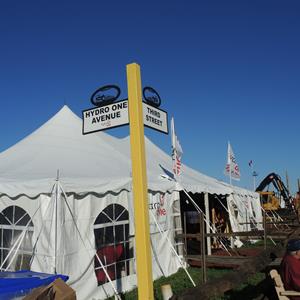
(105, 117)
(115, 114)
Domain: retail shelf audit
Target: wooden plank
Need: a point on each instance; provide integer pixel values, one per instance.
(290, 293)
(212, 258)
(203, 256)
(256, 234)
(219, 286)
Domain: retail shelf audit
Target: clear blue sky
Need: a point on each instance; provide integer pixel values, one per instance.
(226, 70)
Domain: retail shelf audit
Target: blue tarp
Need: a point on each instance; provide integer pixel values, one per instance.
(17, 284)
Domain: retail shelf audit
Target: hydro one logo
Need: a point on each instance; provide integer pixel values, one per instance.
(158, 206)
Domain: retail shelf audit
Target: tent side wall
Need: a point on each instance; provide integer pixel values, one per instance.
(66, 233)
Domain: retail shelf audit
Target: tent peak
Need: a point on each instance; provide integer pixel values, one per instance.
(63, 115)
(65, 109)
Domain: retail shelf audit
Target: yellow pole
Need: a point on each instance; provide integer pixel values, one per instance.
(139, 182)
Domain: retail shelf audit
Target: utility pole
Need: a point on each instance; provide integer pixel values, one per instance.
(287, 181)
(254, 175)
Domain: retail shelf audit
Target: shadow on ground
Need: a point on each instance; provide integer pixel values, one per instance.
(264, 290)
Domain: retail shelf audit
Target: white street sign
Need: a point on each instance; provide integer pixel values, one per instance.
(155, 118)
(105, 117)
(116, 114)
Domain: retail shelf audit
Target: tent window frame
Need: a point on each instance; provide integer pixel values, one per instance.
(113, 243)
(13, 215)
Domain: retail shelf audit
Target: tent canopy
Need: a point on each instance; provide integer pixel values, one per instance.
(96, 162)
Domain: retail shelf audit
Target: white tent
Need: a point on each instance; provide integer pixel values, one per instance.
(67, 190)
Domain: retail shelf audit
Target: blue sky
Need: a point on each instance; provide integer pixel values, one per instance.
(226, 70)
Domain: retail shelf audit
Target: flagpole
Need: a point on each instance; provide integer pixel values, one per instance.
(253, 176)
(229, 161)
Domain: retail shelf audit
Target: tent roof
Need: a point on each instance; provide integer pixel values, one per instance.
(59, 145)
(96, 162)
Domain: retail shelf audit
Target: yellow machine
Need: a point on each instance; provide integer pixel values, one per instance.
(270, 200)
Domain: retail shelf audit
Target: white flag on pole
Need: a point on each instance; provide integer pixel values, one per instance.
(232, 169)
(176, 151)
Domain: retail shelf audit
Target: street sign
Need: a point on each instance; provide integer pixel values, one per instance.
(155, 118)
(110, 114)
(116, 114)
(105, 117)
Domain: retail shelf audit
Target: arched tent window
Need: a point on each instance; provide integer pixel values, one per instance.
(13, 221)
(113, 245)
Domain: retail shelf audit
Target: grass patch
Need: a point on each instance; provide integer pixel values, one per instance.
(257, 244)
(251, 289)
(179, 282)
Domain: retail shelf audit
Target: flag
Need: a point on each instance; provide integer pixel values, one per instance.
(250, 163)
(176, 151)
(232, 169)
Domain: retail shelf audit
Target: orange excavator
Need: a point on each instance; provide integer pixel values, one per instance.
(271, 199)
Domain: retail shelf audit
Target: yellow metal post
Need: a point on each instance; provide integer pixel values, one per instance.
(139, 181)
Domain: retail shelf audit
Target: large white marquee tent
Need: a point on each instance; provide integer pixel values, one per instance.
(61, 191)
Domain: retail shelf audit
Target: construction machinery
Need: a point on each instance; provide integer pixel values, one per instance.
(272, 199)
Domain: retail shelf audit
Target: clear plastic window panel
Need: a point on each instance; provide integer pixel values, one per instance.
(16, 229)
(113, 245)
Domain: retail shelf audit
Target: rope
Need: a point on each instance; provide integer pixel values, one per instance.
(90, 244)
(38, 237)
(173, 249)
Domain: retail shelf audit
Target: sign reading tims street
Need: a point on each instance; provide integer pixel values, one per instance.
(111, 114)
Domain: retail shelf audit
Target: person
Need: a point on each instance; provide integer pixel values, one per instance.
(109, 256)
(108, 253)
(220, 222)
(290, 267)
(297, 204)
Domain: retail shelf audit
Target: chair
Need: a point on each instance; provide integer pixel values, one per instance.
(279, 287)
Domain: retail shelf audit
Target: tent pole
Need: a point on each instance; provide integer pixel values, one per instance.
(172, 248)
(55, 232)
(57, 196)
(65, 198)
(38, 236)
(208, 240)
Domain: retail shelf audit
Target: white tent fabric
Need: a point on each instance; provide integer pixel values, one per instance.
(244, 207)
(94, 171)
(85, 162)
(97, 162)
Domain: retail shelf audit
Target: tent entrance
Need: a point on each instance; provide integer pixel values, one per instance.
(217, 221)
